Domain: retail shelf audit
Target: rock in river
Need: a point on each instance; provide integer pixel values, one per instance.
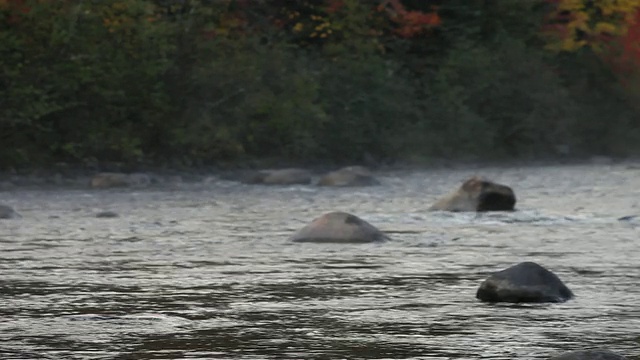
(112, 180)
(349, 176)
(339, 227)
(107, 214)
(478, 194)
(524, 282)
(278, 177)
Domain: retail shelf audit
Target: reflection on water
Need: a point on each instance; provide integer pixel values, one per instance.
(206, 272)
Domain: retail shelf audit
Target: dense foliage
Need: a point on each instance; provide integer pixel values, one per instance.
(202, 82)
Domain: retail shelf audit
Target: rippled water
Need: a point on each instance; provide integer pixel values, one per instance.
(205, 271)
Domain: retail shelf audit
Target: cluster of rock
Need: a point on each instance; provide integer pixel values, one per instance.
(526, 282)
(347, 176)
(344, 177)
(113, 180)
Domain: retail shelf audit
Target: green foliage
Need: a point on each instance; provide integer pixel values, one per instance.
(508, 99)
(81, 86)
(200, 82)
(253, 99)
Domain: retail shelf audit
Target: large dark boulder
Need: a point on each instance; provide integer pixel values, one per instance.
(598, 354)
(524, 282)
(349, 176)
(477, 194)
(339, 227)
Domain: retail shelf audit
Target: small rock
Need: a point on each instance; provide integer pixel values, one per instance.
(627, 218)
(278, 177)
(107, 214)
(339, 227)
(109, 180)
(598, 354)
(112, 180)
(477, 194)
(524, 282)
(7, 212)
(349, 176)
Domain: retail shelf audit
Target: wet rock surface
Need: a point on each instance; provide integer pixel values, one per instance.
(277, 177)
(349, 176)
(115, 180)
(477, 194)
(339, 227)
(107, 214)
(522, 283)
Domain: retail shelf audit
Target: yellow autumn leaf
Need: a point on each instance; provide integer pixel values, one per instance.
(605, 28)
(570, 5)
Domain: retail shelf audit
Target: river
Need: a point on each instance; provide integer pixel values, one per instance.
(203, 270)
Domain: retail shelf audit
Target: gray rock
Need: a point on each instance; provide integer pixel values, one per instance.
(7, 212)
(349, 176)
(524, 282)
(627, 218)
(109, 180)
(107, 214)
(598, 354)
(278, 177)
(113, 180)
(339, 227)
(477, 194)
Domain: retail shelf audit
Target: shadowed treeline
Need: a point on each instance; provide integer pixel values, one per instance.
(199, 82)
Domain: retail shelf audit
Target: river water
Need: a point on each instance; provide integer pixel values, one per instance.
(204, 270)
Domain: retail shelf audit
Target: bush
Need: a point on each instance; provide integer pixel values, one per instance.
(201, 82)
(83, 80)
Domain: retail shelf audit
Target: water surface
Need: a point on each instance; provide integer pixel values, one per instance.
(205, 271)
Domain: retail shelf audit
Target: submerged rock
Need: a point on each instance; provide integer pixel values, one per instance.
(339, 227)
(278, 177)
(627, 218)
(113, 180)
(524, 282)
(349, 176)
(478, 194)
(598, 354)
(107, 214)
(7, 212)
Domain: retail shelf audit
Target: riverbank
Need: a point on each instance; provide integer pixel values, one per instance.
(75, 176)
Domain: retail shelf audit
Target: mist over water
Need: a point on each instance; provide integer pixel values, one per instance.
(205, 271)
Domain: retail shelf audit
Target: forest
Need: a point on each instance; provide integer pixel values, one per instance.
(211, 82)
